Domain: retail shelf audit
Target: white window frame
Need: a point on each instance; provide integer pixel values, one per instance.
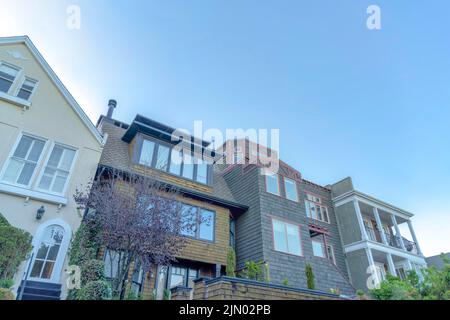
(295, 186)
(332, 252)
(322, 245)
(11, 153)
(311, 199)
(278, 183)
(285, 235)
(36, 83)
(16, 79)
(69, 176)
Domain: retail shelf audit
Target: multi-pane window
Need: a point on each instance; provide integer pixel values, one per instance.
(315, 209)
(290, 187)
(7, 76)
(26, 89)
(272, 184)
(57, 169)
(197, 222)
(23, 162)
(178, 162)
(286, 237)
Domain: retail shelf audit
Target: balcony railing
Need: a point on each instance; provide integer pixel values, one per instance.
(392, 240)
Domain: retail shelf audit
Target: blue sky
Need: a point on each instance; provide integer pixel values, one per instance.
(348, 101)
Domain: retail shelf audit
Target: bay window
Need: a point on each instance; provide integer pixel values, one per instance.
(315, 209)
(286, 237)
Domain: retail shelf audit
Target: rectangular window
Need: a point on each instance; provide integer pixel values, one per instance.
(146, 157)
(272, 185)
(188, 166)
(206, 229)
(331, 253)
(318, 248)
(57, 169)
(202, 172)
(162, 158)
(315, 210)
(7, 76)
(26, 89)
(176, 160)
(188, 220)
(23, 162)
(291, 189)
(286, 237)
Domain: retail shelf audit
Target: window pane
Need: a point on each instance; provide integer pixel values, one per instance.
(202, 172)
(23, 94)
(48, 269)
(188, 220)
(272, 183)
(26, 173)
(146, 157)
(67, 159)
(207, 225)
(291, 189)
(37, 267)
(42, 252)
(8, 72)
(55, 156)
(318, 249)
(293, 237)
(177, 278)
(176, 159)
(5, 85)
(12, 171)
(279, 236)
(188, 167)
(162, 159)
(47, 178)
(23, 147)
(60, 182)
(111, 263)
(53, 253)
(308, 212)
(36, 150)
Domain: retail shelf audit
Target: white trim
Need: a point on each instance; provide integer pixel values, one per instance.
(15, 100)
(66, 94)
(383, 248)
(18, 88)
(37, 195)
(56, 274)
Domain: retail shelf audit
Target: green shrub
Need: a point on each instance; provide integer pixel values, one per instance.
(15, 244)
(285, 282)
(310, 277)
(231, 263)
(393, 288)
(253, 271)
(6, 284)
(94, 290)
(166, 294)
(6, 294)
(92, 270)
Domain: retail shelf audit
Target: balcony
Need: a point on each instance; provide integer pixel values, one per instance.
(392, 240)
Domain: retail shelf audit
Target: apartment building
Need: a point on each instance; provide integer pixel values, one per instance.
(42, 162)
(145, 147)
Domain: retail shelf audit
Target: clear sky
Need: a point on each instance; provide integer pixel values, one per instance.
(349, 101)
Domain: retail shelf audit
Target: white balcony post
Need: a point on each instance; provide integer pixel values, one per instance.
(391, 264)
(413, 234)
(360, 220)
(397, 231)
(380, 226)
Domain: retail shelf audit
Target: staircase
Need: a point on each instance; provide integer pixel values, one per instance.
(35, 290)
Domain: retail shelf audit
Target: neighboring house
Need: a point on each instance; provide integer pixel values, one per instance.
(290, 223)
(437, 260)
(145, 148)
(371, 235)
(48, 148)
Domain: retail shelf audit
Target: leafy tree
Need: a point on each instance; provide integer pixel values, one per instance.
(393, 288)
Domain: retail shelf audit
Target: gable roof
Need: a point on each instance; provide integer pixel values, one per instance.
(66, 94)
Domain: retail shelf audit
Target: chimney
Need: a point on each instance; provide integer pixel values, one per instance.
(111, 106)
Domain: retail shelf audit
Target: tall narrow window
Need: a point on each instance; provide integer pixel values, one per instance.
(202, 171)
(206, 230)
(286, 237)
(26, 89)
(176, 160)
(162, 158)
(188, 166)
(188, 220)
(57, 169)
(318, 249)
(146, 157)
(272, 184)
(7, 76)
(23, 162)
(291, 189)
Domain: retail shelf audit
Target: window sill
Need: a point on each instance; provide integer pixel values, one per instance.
(15, 100)
(36, 195)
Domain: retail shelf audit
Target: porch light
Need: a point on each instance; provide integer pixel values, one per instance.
(40, 212)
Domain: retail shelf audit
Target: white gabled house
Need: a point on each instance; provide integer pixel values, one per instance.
(48, 148)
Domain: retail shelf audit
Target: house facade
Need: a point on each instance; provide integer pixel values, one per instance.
(145, 147)
(42, 162)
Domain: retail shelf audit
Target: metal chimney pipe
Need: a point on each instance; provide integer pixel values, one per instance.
(111, 106)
